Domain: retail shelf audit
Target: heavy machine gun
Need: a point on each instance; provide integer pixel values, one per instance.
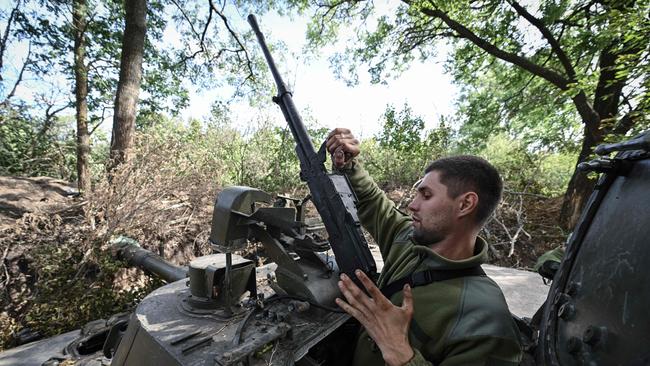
(227, 317)
(331, 193)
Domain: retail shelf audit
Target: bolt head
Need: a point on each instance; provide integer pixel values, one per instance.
(573, 288)
(566, 311)
(593, 335)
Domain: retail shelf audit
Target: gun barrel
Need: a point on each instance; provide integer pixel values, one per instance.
(331, 193)
(304, 147)
(129, 251)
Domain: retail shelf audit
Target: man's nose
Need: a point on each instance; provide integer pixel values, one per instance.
(413, 205)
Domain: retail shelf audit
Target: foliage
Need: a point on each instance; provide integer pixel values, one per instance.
(401, 132)
(26, 148)
(60, 275)
(527, 171)
(503, 100)
(32, 146)
(529, 54)
(89, 288)
(402, 150)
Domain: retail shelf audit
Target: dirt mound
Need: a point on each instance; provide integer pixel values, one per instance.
(21, 195)
(524, 227)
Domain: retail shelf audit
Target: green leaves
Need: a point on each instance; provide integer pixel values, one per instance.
(401, 151)
(401, 131)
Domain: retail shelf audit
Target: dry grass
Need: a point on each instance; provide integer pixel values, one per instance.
(57, 270)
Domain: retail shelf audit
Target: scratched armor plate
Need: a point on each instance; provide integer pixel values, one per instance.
(598, 308)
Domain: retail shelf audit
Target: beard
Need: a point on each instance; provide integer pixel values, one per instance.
(427, 236)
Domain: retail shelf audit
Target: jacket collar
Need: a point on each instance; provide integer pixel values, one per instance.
(435, 261)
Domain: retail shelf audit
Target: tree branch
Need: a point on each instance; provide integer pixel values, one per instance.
(627, 121)
(201, 37)
(20, 75)
(249, 64)
(553, 42)
(580, 100)
(5, 35)
(545, 73)
(532, 77)
(47, 122)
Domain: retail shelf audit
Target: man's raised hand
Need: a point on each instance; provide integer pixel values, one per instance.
(386, 324)
(343, 146)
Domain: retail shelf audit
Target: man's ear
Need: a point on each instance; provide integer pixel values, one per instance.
(467, 203)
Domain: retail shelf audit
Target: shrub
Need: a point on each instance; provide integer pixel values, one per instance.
(522, 170)
(398, 155)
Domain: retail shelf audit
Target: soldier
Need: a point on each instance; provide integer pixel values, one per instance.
(450, 312)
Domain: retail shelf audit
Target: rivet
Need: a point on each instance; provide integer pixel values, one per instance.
(573, 288)
(567, 311)
(594, 335)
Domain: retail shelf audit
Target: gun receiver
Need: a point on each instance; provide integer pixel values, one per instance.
(331, 193)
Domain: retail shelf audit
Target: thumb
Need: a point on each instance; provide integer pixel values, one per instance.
(407, 303)
(339, 157)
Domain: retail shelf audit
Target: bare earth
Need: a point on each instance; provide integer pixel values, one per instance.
(21, 195)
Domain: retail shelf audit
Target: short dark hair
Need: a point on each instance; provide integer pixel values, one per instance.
(464, 173)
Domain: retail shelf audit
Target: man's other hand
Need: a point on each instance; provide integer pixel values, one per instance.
(386, 324)
(343, 146)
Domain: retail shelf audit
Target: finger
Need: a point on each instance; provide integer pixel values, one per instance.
(373, 290)
(339, 152)
(342, 138)
(332, 143)
(351, 291)
(338, 131)
(354, 295)
(339, 157)
(335, 142)
(349, 146)
(407, 302)
(351, 310)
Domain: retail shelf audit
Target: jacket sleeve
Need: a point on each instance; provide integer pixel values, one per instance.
(377, 212)
(418, 360)
(482, 351)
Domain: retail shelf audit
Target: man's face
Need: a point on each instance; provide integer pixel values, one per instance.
(432, 210)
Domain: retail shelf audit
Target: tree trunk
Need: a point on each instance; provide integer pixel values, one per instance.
(128, 86)
(607, 97)
(580, 186)
(79, 14)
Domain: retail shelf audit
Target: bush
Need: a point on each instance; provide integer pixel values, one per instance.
(27, 148)
(398, 155)
(545, 173)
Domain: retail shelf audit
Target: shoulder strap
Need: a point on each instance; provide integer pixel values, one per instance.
(426, 277)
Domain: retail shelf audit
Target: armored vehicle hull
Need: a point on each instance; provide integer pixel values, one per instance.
(597, 309)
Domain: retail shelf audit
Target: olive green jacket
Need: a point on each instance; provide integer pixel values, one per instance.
(461, 321)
